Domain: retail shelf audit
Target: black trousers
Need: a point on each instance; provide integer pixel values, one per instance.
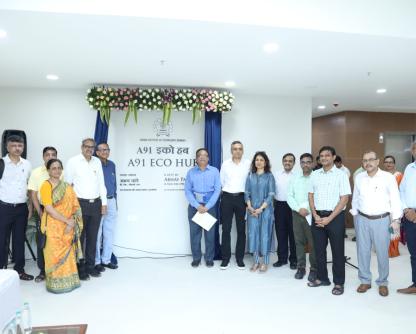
(91, 216)
(40, 258)
(334, 232)
(233, 205)
(410, 230)
(284, 232)
(13, 220)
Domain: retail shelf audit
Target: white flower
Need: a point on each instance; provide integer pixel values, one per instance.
(89, 91)
(91, 99)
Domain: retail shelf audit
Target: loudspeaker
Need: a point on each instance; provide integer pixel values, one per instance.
(7, 134)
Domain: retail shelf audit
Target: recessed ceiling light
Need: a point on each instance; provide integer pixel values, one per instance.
(381, 90)
(321, 107)
(230, 83)
(270, 47)
(3, 33)
(52, 77)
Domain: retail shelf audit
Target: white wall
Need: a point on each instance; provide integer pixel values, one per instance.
(277, 125)
(62, 118)
(50, 117)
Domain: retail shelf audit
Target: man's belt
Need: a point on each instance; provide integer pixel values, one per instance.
(84, 200)
(383, 215)
(110, 197)
(233, 194)
(323, 213)
(14, 205)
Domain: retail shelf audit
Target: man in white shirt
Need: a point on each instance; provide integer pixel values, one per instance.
(233, 177)
(408, 198)
(338, 163)
(377, 209)
(13, 205)
(85, 173)
(283, 215)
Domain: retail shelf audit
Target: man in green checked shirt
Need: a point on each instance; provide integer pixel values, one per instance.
(297, 198)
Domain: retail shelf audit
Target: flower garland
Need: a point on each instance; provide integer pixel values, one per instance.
(131, 100)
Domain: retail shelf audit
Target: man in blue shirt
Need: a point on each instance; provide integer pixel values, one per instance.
(202, 189)
(108, 221)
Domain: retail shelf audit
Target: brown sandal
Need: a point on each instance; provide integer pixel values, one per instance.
(25, 277)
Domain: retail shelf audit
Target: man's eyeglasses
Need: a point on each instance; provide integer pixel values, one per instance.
(369, 160)
(306, 162)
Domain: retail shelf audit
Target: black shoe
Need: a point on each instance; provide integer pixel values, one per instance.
(313, 276)
(94, 273)
(25, 277)
(195, 263)
(84, 277)
(279, 263)
(210, 264)
(354, 239)
(99, 268)
(224, 264)
(300, 273)
(241, 265)
(110, 265)
(293, 265)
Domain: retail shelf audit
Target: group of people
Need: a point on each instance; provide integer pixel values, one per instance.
(307, 211)
(76, 212)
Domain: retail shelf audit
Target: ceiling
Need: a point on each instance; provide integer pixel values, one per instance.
(332, 53)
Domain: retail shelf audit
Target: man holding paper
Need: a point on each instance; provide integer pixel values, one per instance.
(202, 189)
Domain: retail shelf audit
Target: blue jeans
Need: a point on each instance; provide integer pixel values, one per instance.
(196, 236)
(410, 230)
(106, 233)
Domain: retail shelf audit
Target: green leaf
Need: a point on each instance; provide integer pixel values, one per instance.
(135, 113)
(102, 114)
(108, 114)
(165, 114)
(169, 113)
(127, 116)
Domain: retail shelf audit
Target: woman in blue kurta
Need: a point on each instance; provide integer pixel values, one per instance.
(259, 194)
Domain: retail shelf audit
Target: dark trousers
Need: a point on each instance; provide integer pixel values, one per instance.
(334, 232)
(13, 219)
(91, 216)
(284, 232)
(410, 230)
(40, 258)
(233, 205)
(196, 236)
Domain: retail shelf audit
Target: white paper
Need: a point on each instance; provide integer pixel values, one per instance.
(309, 219)
(205, 220)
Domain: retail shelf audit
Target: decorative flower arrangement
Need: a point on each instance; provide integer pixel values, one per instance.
(131, 100)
